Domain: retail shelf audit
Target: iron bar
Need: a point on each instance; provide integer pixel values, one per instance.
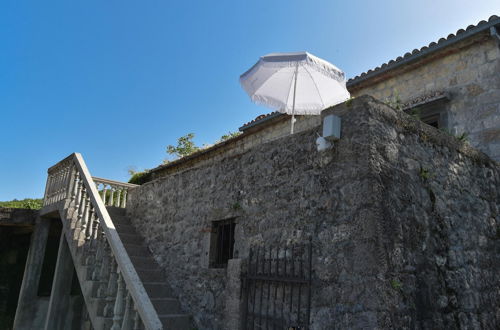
(276, 264)
(287, 277)
(262, 287)
(310, 284)
(255, 288)
(292, 271)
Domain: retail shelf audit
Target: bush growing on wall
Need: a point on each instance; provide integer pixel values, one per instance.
(27, 203)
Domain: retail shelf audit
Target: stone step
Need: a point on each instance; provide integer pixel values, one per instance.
(106, 322)
(176, 321)
(166, 306)
(158, 290)
(153, 275)
(128, 229)
(116, 211)
(143, 262)
(137, 250)
(150, 273)
(131, 238)
(120, 220)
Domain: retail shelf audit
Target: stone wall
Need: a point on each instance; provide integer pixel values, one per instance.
(404, 221)
(469, 72)
(271, 130)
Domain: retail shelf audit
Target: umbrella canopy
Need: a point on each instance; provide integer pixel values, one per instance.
(295, 83)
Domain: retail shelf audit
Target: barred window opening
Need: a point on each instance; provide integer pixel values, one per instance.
(222, 243)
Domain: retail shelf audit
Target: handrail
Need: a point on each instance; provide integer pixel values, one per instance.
(70, 180)
(114, 183)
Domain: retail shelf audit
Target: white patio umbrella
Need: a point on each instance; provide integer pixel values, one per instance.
(295, 83)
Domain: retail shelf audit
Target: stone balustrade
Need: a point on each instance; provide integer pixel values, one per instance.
(104, 268)
(113, 193)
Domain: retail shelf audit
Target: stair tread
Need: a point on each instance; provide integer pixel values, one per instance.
(174, 315)
(150, 273)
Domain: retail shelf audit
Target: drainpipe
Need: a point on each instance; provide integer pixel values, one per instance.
(494, 33)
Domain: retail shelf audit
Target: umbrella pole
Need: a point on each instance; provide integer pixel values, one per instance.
(294, 90)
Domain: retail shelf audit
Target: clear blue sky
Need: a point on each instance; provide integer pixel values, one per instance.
(120, 80)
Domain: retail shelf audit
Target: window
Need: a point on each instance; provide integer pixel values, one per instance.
(222, 243)
(432, 112)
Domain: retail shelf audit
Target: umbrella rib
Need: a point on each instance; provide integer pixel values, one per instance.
(316, 86)
(265, 81)
(288, 89)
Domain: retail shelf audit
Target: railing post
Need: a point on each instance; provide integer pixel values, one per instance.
(137, 320)
(112, 195)
(119, 193)
(118, 309)
(71, 181)
(105, 270)
(127, 315)
(111, 293)
(99, 257)
(104, 193)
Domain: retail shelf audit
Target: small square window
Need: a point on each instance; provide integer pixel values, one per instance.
(222, 243)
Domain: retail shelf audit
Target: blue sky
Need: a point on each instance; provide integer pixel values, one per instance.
(118, 81)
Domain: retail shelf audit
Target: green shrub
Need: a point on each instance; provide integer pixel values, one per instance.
(27, 203)
(139, 177)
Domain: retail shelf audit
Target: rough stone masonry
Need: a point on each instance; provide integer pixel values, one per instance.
(404, 220)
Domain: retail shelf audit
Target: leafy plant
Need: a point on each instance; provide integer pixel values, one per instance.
(348, 103)
(138, 177)
(228, 136)
(394, 101)
(236, 206)
(425, 173)
(27, 203)
(396, 285)
(416, 113)
(185, 146)
(463, 137)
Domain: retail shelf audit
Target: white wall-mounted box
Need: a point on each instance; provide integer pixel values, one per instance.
(331, 127)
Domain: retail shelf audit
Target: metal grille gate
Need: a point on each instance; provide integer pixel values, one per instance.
(277, 288)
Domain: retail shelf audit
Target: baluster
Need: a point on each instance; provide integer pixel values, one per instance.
(60, 174)
(64, 183)
(70, 182)
(104, 193)
(60, 184)
(85, 220)
(46, 194)
(79, 217)
(104, 272)
(112, 195)
(124, 198)
(51, 188)
(54, 187)
(112, 284)
(137, 320)
(76, 183)
(99, 256)
(78, 198)
(95, 251)
(127, 315)
(119, 193)
(118, 309)
(88, 246)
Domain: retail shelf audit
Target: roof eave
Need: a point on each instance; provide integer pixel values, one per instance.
(423, 52)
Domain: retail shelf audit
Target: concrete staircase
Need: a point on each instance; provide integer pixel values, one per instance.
(150, 273)
(122, 285)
